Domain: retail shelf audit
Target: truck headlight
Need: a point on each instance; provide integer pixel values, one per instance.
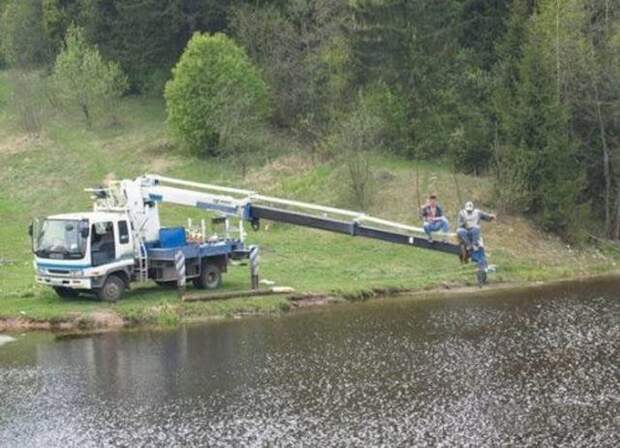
(77, 273)
(41, 271)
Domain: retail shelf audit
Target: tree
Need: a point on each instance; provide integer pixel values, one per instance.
(83, 80)
(537, 159)
(212, 72)
(577, 41)
(57, 16)
(304, 53)
(433, 54)
(483, 25)
(144, 36)
(22, 40)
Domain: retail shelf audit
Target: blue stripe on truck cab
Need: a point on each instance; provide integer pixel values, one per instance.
(74, 267)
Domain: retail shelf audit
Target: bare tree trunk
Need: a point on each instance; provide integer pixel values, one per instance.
(84, 107)
(606, 162)
(557, 46)
(606, 154)
(458, 189)
(617, 229)
(417, 185)
(606, 15)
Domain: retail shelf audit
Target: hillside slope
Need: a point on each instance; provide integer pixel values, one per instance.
(47, 175)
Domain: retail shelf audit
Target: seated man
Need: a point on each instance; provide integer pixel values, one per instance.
(434, 220)
(469, 225)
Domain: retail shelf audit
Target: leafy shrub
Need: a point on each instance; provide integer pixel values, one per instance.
(214, 85)
(28, 99)
(355, 137)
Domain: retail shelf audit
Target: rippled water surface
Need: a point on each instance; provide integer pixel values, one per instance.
(510, 370)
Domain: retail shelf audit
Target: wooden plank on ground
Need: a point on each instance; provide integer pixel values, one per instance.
(236, 294)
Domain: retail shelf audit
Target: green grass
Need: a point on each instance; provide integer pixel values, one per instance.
(47, 175)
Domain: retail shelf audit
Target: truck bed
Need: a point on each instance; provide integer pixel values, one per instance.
(196, 250)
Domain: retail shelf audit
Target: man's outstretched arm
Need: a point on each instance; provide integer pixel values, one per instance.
(487, 216)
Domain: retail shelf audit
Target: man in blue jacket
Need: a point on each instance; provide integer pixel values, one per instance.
(434, 219)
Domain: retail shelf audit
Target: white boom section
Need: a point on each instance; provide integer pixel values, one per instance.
(191, 198)
(224, 204)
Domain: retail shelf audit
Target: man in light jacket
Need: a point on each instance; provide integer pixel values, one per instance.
(469, 225)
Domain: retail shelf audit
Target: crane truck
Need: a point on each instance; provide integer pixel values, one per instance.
(122, 241)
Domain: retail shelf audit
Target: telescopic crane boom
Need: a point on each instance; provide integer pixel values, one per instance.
(253, 207)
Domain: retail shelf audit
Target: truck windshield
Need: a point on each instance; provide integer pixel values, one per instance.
(60, 238)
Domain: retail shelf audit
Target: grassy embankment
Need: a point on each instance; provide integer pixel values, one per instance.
(47, 175)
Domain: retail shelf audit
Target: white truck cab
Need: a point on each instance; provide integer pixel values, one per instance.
(84, 251)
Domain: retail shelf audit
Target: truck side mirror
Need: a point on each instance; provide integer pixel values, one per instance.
(30, 230)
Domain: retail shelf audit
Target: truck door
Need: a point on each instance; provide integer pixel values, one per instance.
(102, 245)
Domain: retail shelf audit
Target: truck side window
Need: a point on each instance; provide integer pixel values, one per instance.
(123, 232)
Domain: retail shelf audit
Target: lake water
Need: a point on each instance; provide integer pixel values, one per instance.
(517, 369)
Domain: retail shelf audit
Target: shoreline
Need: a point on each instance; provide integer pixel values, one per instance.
(109, 320)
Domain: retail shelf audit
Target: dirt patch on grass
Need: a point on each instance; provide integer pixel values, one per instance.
(106, 319)
(307, 300)
(17, 144)
(161, 164)
(287, 165)
(19, 324)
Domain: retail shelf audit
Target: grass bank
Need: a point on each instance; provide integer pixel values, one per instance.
(47, 175)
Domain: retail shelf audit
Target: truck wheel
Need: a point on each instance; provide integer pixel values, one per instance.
(66, 293)
(210, 277)
(112, 289)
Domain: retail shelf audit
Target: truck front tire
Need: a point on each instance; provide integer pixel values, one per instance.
(210, 277)
(66, 293)
(112, 289)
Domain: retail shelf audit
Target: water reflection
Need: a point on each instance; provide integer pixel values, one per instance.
(515, 371)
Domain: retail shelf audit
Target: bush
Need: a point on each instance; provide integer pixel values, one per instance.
(28, 99)
(84, 81)
(355, 137)
(214, 84)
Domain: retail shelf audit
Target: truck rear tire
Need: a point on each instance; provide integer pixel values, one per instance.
(66, 293)
(210, 277)
(112, 289)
